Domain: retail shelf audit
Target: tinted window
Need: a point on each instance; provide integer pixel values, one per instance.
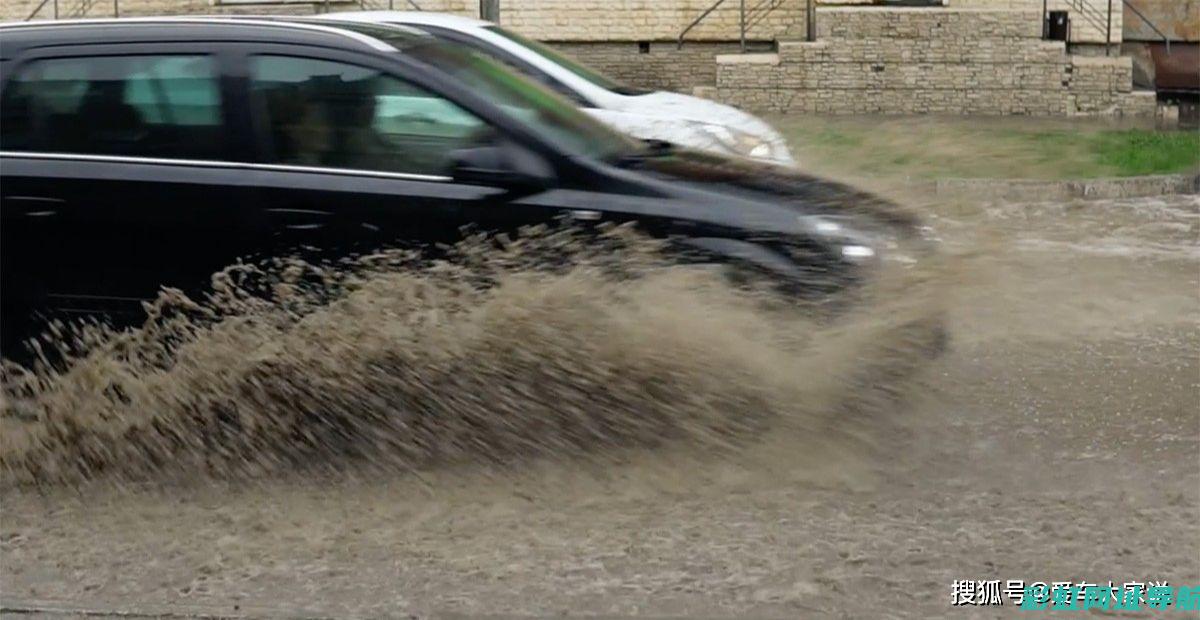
(509, 61)
(554, 117)
(149, 106)
(564, 61)
(323, 113)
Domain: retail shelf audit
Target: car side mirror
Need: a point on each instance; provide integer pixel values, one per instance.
(505, 164)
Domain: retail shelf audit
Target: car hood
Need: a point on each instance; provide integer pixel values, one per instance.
(696, 109)
(777, 185)
(680, 119)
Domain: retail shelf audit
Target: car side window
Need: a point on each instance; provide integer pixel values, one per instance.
(332, 114)
(163, 106)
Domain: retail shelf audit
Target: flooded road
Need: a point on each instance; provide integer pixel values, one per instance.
(1059, 439)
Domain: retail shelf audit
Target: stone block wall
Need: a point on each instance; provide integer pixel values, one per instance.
(939, 61)
(662, 66)
(15, 10)
(972, 56)
(1089, 28)
(1084, 29)
(610, 35)
(553, 20)
(646, 20)
(928, 24)
(607, 34)
(590, 20)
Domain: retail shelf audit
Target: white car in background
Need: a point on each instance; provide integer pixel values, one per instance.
(671, 117)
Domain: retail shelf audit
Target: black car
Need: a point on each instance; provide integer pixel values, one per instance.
(142, 153)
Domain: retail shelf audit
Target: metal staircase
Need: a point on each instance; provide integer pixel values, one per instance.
(1093, 15)
(748, 17)
(1146, 20)
(1101, 17)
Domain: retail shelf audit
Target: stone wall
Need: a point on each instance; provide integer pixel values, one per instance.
(587, 20)
(556, 20)
(646, 20)
(661, 66)
(1089, 28)
(12, 10)
(970, 57)
(1089, 18)
(920, 61)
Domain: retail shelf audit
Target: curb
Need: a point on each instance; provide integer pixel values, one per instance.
(1090, 189)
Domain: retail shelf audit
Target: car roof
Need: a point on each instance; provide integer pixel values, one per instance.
(158, 29)
(424, 18)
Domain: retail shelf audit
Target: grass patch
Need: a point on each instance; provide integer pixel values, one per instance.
(933, 147)
(1141, 152)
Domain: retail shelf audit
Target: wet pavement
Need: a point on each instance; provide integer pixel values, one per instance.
(1059, 439)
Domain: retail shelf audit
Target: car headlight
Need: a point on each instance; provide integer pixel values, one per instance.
(852, 245)
(737, 141)
(857, 252)
(762, 151)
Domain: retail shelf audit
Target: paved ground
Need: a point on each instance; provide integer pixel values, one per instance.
(1058, 440)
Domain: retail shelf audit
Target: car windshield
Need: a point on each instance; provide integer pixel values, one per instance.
(564, 61)
(553, 116)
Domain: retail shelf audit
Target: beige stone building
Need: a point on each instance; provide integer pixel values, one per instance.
(959, 56)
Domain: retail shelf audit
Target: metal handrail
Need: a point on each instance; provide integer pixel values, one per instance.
(1094, 16)
(85, 6)
(41, 5)
(748, 18)
(391, 5)
(697, 21)
(759, 12)
(1146, 20)
(81, 9)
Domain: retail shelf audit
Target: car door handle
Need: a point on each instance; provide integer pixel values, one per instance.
(300, 219)
(37, 206)
(585, 215)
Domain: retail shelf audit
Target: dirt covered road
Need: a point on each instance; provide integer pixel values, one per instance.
(1059, 439)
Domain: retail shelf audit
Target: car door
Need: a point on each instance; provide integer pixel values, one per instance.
(118, 177)
(353, 158)
(358, 152)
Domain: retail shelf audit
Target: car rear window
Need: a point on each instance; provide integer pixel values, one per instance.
(165, 106)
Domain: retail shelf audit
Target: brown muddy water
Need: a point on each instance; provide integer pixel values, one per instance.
(587, 443)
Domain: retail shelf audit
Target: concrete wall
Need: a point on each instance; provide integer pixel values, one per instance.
(917, 61)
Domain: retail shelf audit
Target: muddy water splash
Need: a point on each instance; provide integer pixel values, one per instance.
(388, 364)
